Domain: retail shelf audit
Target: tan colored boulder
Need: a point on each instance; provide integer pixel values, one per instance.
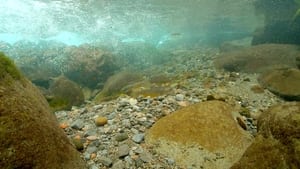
(257, 59)
(29, 134)
(203, 135)
(282, 82)
(278, 143)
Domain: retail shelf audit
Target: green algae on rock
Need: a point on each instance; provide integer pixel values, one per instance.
(29, 133)
(200, 130)
(277, 144)
(8, 67)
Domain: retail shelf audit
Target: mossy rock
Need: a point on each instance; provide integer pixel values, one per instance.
(117, 85)
(29, 133)
(8, 67)
(277, 144)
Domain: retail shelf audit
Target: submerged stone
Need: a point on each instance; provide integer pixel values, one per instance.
(283, 82)
(30, 136)
(196, 131)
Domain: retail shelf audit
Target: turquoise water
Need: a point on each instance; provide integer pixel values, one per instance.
(125, 21)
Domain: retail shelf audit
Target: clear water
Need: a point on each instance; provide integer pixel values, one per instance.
(112, 22)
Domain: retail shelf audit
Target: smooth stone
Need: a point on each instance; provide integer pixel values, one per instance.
(94, 167)
(91, 149)
(121, 137)
(123, 150)
(87, 156)
(106, 161)
(138, 138)
(90, 133)
(179, 97)
(78, 124)
(78, 144)
(92, 138)
(100, 121)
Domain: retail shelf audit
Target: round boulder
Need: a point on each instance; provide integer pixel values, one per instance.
(205, 134)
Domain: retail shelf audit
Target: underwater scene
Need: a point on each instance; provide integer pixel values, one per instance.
(149, 84)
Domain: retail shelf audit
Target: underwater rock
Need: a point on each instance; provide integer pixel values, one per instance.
(86, 65)
(280, 27)
(193, 133)
(117, 85)
(100, 121)
(277, 144)
(30, 136)
(64, 94)
(257, 59)
(282, 82)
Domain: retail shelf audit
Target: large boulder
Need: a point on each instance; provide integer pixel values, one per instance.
(278, 143)
(201, 135)
(282, 82)
(257, 59)
(29, 133)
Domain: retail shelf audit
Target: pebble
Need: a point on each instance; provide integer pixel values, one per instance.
(146, 157)
(92, 138)
(91, 149)
(179, 97)
(123, 150)
(121, 137)
(100, 121)
(138, 138)
(106, 161)
(78, 124)
(78, 144)
(118, 165)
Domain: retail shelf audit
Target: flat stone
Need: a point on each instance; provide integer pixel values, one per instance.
(146, 157)
(78, 124)
(92, 138)
(138, 138)
(106, 161)
(118, 165)
(121, 137)
(123, 150)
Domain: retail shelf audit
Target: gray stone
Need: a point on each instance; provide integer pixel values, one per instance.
(106, 161)
(138, 138)
(123, 150)
(179, 97)
(146, 157)
(170, 161)
(94, 167)
(90, 133)
(118, 165)
(91, 149)
(126, 123)
(121, 137)
(87, 156)
(78, 124)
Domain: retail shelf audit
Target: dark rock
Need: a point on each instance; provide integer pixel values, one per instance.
(123, 150)
(277, 144)
(30, 136)
(283, 82)
(259, 58)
